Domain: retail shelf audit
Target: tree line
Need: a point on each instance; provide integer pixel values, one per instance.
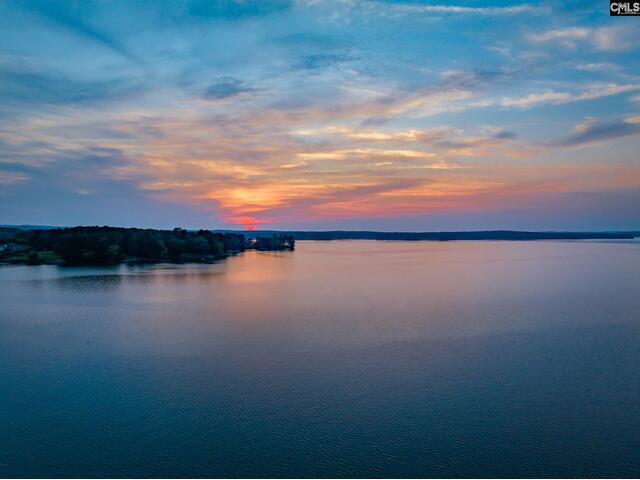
(278, 241)
(108, 245)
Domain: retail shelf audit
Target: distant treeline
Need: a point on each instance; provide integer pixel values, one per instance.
(109, 245)
(445, 236)
(274, 241)
(104, 245)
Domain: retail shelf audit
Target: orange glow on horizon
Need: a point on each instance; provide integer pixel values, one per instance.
(248, 223)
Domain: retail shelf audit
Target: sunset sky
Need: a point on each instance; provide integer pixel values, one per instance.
(381, 115)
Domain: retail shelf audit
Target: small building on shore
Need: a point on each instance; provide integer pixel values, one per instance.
(12, 247)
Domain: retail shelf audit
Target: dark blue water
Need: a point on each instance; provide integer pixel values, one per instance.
(342, 359)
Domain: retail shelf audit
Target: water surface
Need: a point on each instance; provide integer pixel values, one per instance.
(341, 359)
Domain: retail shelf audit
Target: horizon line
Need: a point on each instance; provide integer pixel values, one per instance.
(27, 226)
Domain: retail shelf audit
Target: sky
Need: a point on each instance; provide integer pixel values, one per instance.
(319, 115)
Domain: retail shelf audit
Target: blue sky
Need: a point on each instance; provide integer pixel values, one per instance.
(346, 114)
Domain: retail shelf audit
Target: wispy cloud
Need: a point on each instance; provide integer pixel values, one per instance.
(320, 61)
(593, 130)
(568, 36)
(599, 67)
(524, 8)
(71, 20)
(552, 97)
(8, 178)
(511, 10)
(602, 38)
(226, 87)
(26, 90)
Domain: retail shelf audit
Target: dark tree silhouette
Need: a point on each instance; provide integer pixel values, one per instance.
(108, 245)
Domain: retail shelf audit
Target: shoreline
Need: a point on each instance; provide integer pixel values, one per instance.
(94, 245)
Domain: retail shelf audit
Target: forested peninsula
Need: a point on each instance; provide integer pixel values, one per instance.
(111, 245)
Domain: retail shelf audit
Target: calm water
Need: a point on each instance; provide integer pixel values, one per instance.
(348, 358)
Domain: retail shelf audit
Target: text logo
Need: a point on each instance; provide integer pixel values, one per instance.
(618, 9)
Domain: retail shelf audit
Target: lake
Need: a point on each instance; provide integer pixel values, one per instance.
(341, 359)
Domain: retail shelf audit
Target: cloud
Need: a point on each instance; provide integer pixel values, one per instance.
(224, 88)
(479, 78)
(23, 87)
(458, 9)
(568, 35)
(261, 172)
(62, 14)
(598, 67)
(442, 143)
(614, 38)
(8, 178)
(322, 61)
(602, 38)
(592, 131)
(593, 92)
(26, 93)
